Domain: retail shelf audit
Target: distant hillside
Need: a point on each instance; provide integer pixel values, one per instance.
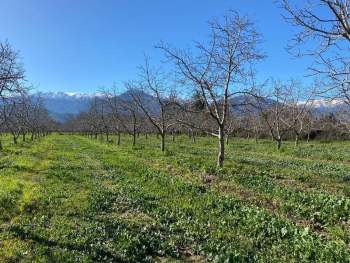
(64, 105)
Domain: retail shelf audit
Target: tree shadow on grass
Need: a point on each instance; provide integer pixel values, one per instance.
(96, 254)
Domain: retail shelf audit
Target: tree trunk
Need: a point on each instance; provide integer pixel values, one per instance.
(221, 155)
(296, 140)
(173, 133)
(279, 144)
(308, 137)
(134, 132)
(227, 139)
(162, 144)
(118, 140)
(193, 137)
(134, 137)
(1, 148)
(14, 139)
(24, 137)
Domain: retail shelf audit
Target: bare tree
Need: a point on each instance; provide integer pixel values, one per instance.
(154, 98)
(11, 71)
(300, 104)
(11, 78)
(274, 110)
(124, 112)
(324, 33)
(217, 70)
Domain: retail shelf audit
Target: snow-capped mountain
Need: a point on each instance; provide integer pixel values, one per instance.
(329, 106)
(63, 105)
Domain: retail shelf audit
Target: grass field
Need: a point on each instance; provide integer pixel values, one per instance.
(68, 198)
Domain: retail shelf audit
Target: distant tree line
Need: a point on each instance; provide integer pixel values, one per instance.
(20, 114)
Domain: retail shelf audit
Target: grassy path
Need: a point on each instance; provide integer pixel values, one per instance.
(70, 199)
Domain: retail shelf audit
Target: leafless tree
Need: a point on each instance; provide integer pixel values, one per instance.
(274, 110)
(300, 104)
(124, 112)
(323, 32)
(217, 70)
(154, 98)
(11, 71)
(24, 114)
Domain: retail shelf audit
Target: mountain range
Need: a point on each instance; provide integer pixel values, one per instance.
(64, 105)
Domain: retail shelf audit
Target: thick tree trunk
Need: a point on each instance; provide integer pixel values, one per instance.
(221, 154)
(279, 144)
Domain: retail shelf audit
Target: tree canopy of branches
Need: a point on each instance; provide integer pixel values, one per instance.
(323, 32)
(217, 70)
(284, 110)
(11, 71)
(153, 96)
(19, 113)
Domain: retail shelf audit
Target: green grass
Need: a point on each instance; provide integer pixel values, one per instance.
(72, 199)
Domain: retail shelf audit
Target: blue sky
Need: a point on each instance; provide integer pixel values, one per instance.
(83, 45)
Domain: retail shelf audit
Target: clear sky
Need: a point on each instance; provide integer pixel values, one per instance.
(83, 45)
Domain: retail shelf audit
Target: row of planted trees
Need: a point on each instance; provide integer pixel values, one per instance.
(279, 114)
(212, 89)
(20, 113)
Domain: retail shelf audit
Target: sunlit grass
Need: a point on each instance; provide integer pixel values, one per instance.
(70, 198)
